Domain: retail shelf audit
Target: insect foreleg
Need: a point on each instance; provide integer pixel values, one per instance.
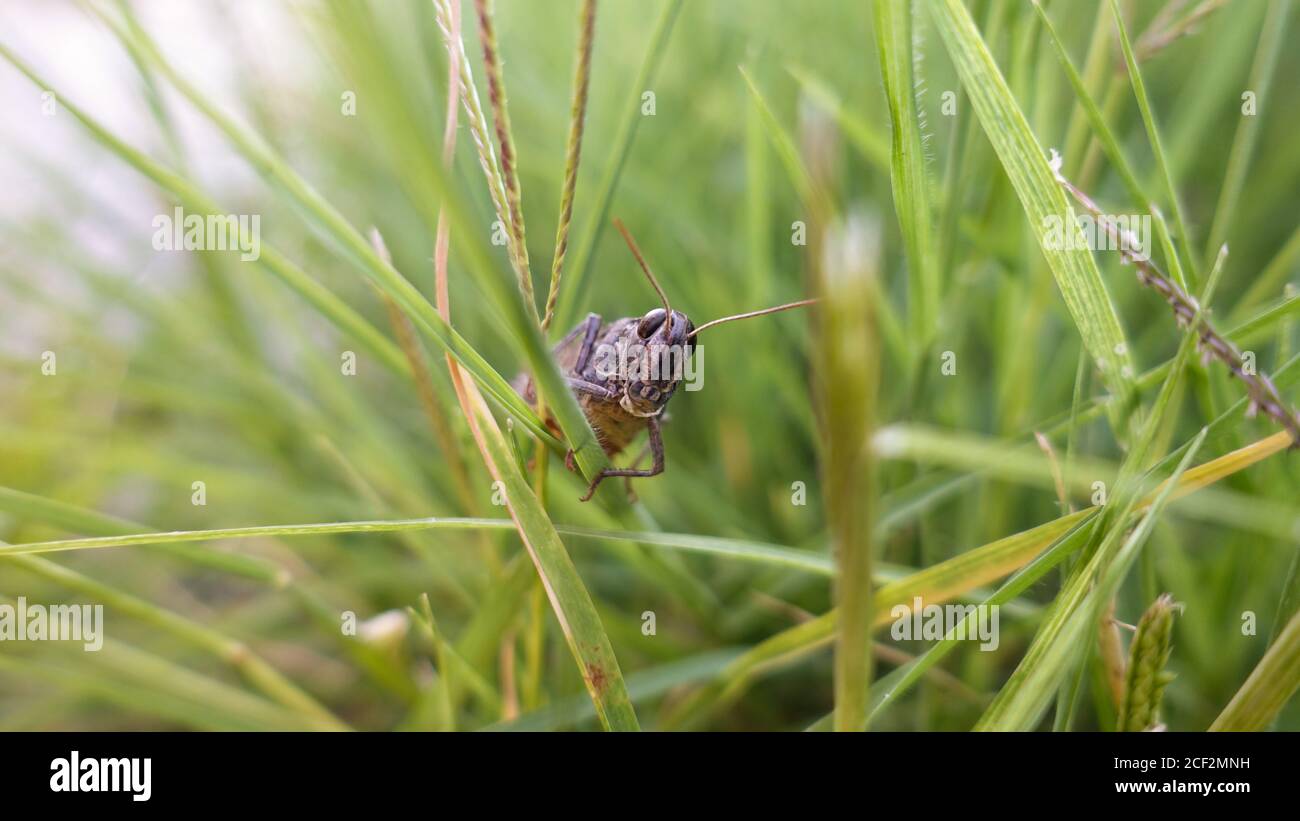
(582, 386)
(598, 391)
(627, 480)
(656, 449)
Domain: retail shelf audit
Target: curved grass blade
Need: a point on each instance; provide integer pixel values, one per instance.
(1017, 584)
(752, 552)
(955, 576)
(79, 520)
(145, 683)
(859, 131)
(1093, 114)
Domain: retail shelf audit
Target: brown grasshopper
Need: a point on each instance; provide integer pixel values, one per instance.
(624, 372)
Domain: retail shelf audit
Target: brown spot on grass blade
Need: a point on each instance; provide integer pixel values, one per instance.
(596, 678)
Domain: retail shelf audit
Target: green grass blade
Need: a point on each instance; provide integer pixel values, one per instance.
(250, 665)
(145, 684)
(891, 328)
(1026, 165)
(330, 305)
(960, 574)
(642, 685)
(859, 130)
(739, 549)
(569, 598)
(934, 585)
(910, 182)
(79, 520)
(1034, 684)
(1271, 38)
(847, 345)
(1032, 688)
(1269, 687)
(323, 215)
(1273, 276)
(786, 151)
(1157, 148)
(572, 152)
(569, 309)
(1069, 543)
(1093, 114)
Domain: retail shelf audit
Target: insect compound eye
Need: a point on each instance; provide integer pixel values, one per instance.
(650, 392)
(650, 323)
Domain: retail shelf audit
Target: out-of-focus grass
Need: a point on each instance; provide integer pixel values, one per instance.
(175, 368)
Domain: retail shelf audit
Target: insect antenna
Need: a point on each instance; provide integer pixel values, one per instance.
(636, 252)
(751, 314)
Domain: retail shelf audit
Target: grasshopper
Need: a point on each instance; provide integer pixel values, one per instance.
(624, 372)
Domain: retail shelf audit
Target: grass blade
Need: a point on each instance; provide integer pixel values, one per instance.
(907, 165)
(595, 225)
(741, 550)
(1026, 165)
(1020, 704)
(524, 330)
(570, 601)
(847, 345)
(506, 144)
(330, 305)
(1017, 584)
(573, 151)
(1157, 148)
(953, 577)
(1269, 687)
(1035, 682)
(1243, 144)
(934, 585)
(239, 656)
